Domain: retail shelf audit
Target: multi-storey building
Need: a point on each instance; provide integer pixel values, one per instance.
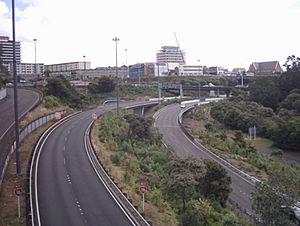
(6, 51)
(170, 54)
(146, 70)
(67, 67)
(190, 70)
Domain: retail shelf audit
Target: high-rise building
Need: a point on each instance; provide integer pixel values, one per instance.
(170, 54)
(6, 51)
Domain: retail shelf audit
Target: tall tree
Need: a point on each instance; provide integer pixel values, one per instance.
(184, 175)
(265, 90)
(216, 183)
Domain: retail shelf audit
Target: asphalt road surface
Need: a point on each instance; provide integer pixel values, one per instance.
(26, 100)
(167, 123)
(69, 191)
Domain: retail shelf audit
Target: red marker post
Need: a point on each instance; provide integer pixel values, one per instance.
(143, 189)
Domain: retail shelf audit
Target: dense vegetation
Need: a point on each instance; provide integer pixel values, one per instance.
(196, 190)
(273, 106)
(60, 89)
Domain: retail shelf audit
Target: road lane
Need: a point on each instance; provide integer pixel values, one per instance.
(69, 191)
(167, 124)
(27, 99)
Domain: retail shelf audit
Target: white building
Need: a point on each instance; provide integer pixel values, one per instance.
(68, 67)
(170, 54)
(190, 70)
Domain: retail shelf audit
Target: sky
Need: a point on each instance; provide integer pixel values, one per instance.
(231, 33)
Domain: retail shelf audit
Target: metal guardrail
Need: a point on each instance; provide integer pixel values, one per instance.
(128, 208)
(23, 133)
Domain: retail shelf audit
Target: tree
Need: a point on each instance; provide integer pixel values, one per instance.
(291, 78)
(139, 127)
(265, 90)
(272, 199)
(61, 88)
(184, 175)
(292, 64)
(215, 184)
(104, 85)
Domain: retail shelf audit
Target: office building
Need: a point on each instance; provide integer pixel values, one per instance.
(68, 67)
(6, 52)
(170, 54)
(190, 70)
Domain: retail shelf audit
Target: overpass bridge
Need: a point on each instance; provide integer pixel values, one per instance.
(179, 89)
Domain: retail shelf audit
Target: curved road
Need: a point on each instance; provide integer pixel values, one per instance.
(167, 124)
(26, 100)
(69, 191)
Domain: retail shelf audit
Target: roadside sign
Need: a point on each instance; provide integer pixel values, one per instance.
(94, 117)
(18, 190)
(143, 186)
(57, 115)
(143, 189)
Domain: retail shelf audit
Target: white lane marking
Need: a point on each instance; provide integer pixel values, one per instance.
(64, 161)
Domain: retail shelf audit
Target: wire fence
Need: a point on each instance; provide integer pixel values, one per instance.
(30, 127)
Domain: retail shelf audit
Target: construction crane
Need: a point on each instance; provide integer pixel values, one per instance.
(183, 60)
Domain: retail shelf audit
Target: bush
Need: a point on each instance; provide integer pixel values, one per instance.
(51, 101)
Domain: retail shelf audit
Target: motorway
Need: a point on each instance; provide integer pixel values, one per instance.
(166, 120)
(68, 190)
(26, 100)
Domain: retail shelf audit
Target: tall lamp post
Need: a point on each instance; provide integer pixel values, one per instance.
(83, 67)
(18, 164)
(158, 84)
(116, 39)
(35, 68)
(199, 85)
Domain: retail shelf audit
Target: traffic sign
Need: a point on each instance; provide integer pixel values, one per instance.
(18, 190)
(94, 116)
(57, 115)
(143, 186)
(143, 189)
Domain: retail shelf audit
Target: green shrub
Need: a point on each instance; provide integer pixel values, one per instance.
(51, 101)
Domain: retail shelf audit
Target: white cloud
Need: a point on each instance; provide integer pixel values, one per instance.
(229, 33)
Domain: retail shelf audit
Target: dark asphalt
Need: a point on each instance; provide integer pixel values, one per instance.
(69, 191)
(26, 100)
(166, 122)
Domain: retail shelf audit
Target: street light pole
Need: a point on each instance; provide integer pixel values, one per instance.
(115, 39)
(18, 163)
(83, 67)
(199, 85)
(158, 85)
(35, 69)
